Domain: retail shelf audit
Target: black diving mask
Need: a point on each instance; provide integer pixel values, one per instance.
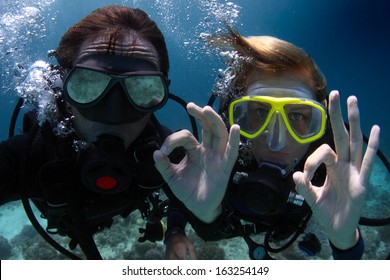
(118, 96)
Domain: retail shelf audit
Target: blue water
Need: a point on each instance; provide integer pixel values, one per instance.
(348, 39)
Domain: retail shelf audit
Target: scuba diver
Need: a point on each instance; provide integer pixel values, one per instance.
(288, 155)
(113, 75)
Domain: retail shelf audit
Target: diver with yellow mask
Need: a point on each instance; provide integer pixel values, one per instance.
(287, 156)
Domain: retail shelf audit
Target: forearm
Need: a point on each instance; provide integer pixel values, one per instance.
(347, 241)
(176, 221)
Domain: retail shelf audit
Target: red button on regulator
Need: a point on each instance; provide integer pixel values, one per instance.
(106, 182)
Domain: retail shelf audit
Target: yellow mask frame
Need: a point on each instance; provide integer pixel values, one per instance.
(278, 104)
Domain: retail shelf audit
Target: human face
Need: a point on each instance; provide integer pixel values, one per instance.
(91, 123)
(277, 145)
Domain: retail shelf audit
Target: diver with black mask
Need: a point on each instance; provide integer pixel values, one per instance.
(287, 156)
(127, 90)
(113, 68)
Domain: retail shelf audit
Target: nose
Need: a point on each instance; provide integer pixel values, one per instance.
(276, 133)
(115, 104)
(115, 108)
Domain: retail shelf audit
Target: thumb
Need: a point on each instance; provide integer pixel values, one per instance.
(163, 165)
(304, 187)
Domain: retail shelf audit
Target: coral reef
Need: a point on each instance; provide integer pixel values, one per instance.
(5, 248)
(121, 242)
(33, 247)
(155, 254)
(210, 251)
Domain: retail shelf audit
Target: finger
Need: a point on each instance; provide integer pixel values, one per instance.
(191, 254)
(231, 152)
(194, 110)
(184, 252)
(182, 138)
(181, 253)
(304, 188)
(219, 131)
(369, 156)
(356, 137)
(198, 113)
(340, 134)
(323, 154)
(175, 255)
(164, 166)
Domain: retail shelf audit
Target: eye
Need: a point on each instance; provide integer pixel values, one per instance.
(295, 117)
(262, 112)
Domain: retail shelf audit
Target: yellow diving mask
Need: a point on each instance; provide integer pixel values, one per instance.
(304, 119)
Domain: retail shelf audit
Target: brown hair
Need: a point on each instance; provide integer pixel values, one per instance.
(114, 21)
(268, 55)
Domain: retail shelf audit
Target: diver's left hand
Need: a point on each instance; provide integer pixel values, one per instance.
(179, 247)
(338, 203)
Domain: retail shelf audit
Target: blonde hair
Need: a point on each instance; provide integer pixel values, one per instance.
(269, 55)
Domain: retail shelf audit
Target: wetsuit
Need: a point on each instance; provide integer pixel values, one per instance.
(42, 167)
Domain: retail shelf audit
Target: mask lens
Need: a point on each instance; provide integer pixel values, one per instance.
(86, 85)
(304, 120)
(146, 91)
(251, 116)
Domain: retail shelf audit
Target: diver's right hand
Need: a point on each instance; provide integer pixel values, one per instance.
(179, 247)
(201, 178)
